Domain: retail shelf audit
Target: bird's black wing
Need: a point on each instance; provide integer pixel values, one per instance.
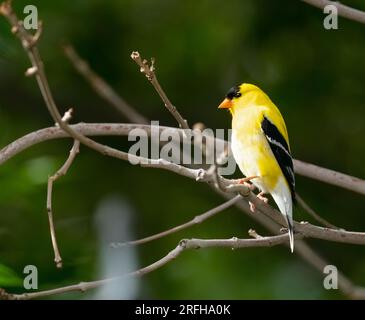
(280, 149)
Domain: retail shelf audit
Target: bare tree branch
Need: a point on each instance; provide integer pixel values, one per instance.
(196, 220)
(306, 229)
(119, 129)
(61, 172)
(149, 72)
(329, 176)
(343, 10)
(102, 88)
(188, 244)
(185, 244)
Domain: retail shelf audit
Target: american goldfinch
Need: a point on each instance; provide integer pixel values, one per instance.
(260, 146)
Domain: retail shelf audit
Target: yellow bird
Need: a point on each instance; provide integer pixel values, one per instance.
(260, 146)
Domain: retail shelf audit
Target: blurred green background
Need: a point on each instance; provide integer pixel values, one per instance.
(202, 49)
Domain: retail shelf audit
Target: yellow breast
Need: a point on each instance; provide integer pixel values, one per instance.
(251, 150)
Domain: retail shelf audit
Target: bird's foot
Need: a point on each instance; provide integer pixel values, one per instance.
(245, 181)
(259, 196)
(262, 198)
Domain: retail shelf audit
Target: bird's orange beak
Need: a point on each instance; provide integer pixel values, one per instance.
(226, 104)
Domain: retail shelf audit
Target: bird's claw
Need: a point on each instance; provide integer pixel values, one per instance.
(245, 182)
(262, 198)
(259, 196)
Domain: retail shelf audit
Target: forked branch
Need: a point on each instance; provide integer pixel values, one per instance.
(61, 172)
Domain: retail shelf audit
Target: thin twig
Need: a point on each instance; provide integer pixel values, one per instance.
(149, 72)
(343, 10)
(61, 172)
(196, 220)
(314, 214)
(101, 87)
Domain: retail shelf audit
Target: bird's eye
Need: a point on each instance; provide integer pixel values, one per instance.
(234, 92)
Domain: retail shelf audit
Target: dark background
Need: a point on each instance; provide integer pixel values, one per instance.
(202, 48)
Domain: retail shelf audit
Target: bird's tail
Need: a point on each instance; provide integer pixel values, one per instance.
(289, 220)
(283, 199)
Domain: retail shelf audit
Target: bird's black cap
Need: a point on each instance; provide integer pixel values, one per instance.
(234, 92)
